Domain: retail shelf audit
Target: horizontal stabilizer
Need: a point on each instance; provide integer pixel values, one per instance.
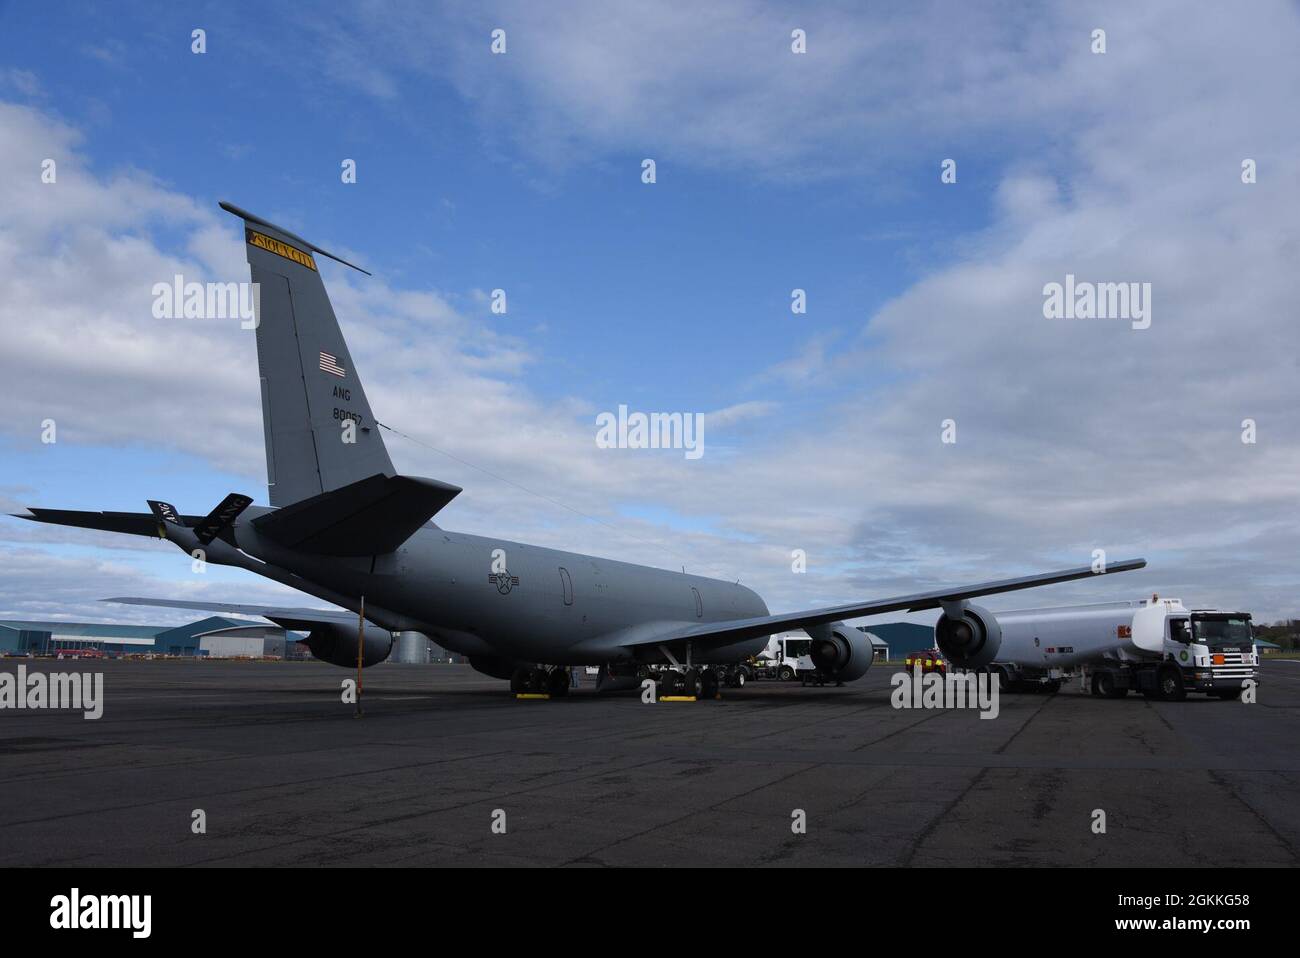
(132, 523)
(220, 519)
(368, 517)
(290, 618)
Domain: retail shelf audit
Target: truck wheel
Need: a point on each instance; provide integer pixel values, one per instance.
(786, 674)
(1228, 694)
(738, 679)
(1170, 682)
(1052, 687)
(1103, 684)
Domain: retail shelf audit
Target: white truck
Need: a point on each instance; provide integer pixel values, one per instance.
(1157, 647)
(785, 658)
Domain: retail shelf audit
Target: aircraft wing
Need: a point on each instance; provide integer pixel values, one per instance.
(296, 619)
(737, 630)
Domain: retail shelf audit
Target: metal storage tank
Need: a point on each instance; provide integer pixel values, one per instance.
(411, 648)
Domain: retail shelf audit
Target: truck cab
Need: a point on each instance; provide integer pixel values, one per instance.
(1216, 651)
(1203, 650)
(791, 655)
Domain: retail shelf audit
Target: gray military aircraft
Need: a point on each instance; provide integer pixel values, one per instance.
(346, 527)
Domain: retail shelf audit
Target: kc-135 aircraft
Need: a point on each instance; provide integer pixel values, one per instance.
(346, 527)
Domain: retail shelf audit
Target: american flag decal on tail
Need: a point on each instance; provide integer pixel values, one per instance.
(330, 364)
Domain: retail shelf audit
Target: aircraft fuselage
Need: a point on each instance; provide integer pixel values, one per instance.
(487, 596)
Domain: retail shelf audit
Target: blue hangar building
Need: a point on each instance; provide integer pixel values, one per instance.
(215, 636)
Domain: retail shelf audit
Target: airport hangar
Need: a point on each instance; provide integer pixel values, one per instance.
(214, 637)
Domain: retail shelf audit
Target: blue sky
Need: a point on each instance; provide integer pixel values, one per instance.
(704, 257)
(774, 172)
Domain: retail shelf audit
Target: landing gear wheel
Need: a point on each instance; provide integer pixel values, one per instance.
(691, 683)
(670, 683)
(785, 673)
(1170, 681)
(709, 684)
(538, 680)
(557, 683)
(519, 681)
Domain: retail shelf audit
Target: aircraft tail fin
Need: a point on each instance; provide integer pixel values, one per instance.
(310, 386)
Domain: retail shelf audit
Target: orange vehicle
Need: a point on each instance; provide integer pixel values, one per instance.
(929, 661)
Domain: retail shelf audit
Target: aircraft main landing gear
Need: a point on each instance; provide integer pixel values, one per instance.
(687, 683)
(540, 680)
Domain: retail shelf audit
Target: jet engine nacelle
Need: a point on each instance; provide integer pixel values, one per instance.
(968, 635)
(337, 645)
(840, 651)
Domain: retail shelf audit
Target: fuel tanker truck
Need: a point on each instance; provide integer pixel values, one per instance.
(1156, 647)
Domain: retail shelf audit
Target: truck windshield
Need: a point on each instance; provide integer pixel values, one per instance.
(1222, 631)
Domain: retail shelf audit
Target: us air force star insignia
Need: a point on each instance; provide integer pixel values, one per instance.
(504, 581)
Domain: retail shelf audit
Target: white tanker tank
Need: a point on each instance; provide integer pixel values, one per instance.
(1157, 647)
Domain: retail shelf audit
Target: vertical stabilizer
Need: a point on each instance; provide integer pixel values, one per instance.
(310, 386)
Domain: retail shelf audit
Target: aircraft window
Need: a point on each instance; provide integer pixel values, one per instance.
(567, 583)
(699, 603)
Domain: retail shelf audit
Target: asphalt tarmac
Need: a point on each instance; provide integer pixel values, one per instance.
(286, 775)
